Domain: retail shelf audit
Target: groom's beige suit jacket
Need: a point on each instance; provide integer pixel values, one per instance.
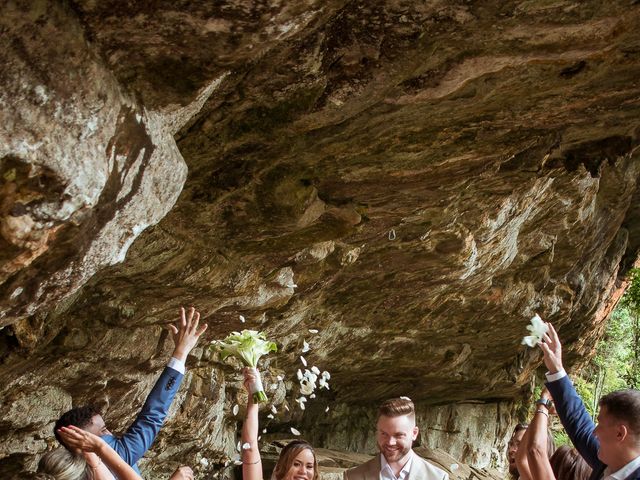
(420, 470)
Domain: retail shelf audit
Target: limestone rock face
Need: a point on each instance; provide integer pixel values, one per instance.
(414, 180)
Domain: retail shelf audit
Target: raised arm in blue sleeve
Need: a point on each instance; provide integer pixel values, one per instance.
(576, 420)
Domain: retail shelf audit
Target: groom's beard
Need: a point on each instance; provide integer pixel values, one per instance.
(394, 453)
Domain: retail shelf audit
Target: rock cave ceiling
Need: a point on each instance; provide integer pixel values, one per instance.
(413, 179)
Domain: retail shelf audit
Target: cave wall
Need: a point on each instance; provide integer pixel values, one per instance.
(413, 179)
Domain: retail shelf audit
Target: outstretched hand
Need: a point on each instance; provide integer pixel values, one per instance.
(186, 333)
(552, 350)
(79, 439)
(182, 473)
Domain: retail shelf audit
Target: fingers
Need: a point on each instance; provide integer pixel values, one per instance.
(545, 348)
(196, 320)
(203, 328)
(183, 317)
(554, 334)
(172, 328)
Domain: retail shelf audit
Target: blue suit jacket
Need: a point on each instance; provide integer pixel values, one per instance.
(141, 434)
(579, 425)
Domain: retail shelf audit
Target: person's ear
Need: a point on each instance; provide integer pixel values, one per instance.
(621, 432)
(414, 433)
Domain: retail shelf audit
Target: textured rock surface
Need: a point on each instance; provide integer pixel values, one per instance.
(413, 179)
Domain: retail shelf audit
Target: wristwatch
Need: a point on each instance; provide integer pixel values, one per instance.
(545, 401)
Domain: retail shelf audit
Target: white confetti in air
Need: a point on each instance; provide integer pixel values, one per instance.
(274, 409)
(294, 431)
(326, 375)
(301, 402)
(305, 347)
(286, 407)
(242, 319)
(315, 370)
(292, 285)
(326, 409)
(303, 360)
(204, 462)
(271, 416)
(538, 329)
(313, 330)
(246, 446)
(313, 395)
(392, 234)
(236, 409)
(264, 430)
(238, 462)
(259, 437)
(239, 445)
(279, 378)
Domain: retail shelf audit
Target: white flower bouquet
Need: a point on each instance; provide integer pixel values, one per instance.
(247, 346)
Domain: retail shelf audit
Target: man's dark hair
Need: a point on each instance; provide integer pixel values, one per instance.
(624, 405)
(79, 417)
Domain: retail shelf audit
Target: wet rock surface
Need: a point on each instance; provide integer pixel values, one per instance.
(413, 180)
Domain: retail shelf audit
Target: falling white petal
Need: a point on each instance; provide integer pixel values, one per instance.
(315, 370)
(238, 462)
(299, 374)
(204, 462)
(286, 407)
(538, 329)
(326, 409)
(279, 378)
(292, 285)
(239, 445)
(313, 395)
(259, 437)
(264, 430)
(313, 330)
(305, 346)
(246, 446)
(306, 388)
(326, 375)
(242, 319)
(274, 409)
(294, 431)
(236, 409)
(271, 416)
(303, 360)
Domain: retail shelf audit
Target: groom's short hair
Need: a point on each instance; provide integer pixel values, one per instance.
(397, 407)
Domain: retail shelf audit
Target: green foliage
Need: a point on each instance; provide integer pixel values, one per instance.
(616, 364)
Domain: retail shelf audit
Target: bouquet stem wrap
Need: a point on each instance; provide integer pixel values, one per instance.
(256, 389)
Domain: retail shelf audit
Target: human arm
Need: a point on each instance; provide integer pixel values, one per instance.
(522, 460)
(90, 445)
(537, 449)
(571, 410)
(251, 461)
(141, 434)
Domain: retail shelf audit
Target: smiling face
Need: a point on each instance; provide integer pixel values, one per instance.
(395, 435)
(302, 467)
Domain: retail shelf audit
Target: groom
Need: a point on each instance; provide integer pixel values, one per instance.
(395, 432)
(142, 432)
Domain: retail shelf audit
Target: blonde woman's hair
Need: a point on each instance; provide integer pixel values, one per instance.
(288, 454)
(61, 464)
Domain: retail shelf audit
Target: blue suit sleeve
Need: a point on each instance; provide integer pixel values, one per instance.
(576, 420)
(141, 434)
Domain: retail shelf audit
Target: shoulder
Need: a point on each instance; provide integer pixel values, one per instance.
(431, 469)
(362, 469)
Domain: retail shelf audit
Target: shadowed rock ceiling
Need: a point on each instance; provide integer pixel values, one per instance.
(413, 179)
